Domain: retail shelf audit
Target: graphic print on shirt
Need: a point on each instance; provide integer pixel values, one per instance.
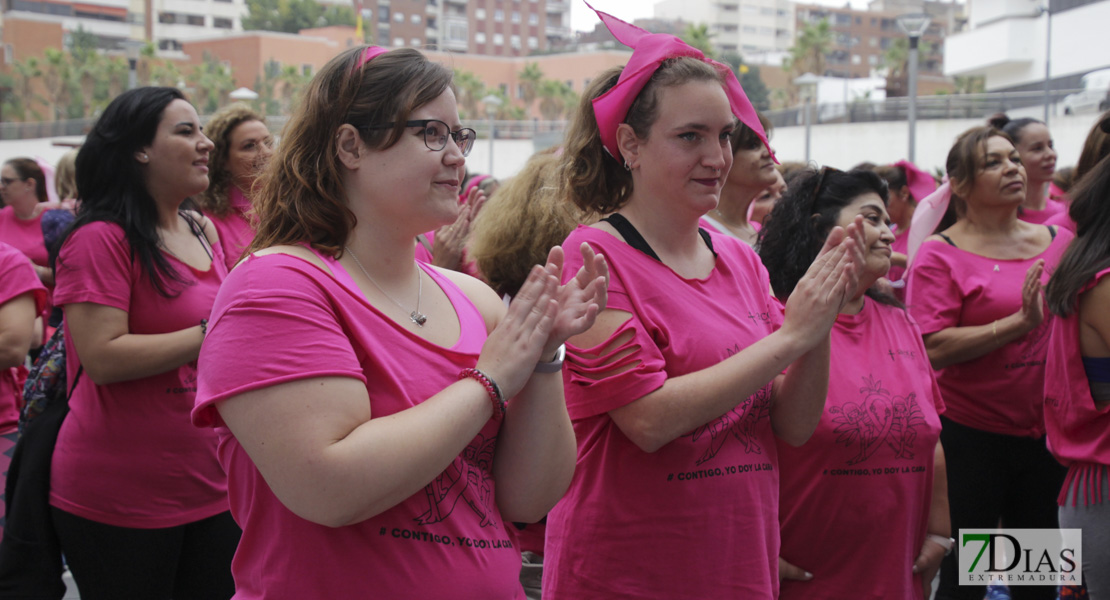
(880, 418)
(467, 478)
(739, 423)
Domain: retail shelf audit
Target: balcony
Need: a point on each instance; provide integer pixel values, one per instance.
(1008, 42)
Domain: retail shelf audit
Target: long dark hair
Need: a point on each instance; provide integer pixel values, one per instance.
(1089, 252)
(796, 230)
(111, 180)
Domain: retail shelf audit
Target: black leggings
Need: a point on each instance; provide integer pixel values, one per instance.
(996, 479)
(187, 562)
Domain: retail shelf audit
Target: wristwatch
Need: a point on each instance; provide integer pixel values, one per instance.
(555, 365)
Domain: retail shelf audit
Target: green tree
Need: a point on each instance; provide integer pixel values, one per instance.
(530, 78)
(292, 16)
(811, 47)
(896, 57)
(970, 85)
(557, 99)
(750, 80)
(58, 79)
(212, 83)
(471, 90)
(699, 37)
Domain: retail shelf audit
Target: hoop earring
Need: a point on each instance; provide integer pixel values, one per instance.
(627, 167)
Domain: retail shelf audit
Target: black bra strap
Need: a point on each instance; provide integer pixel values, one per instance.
(1051, 231)
(633, 238)
(948, 239)
(198, 230)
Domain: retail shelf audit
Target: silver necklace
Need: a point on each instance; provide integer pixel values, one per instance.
(415, 315)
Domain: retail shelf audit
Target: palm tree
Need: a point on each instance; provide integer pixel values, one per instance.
(530, 78)
(556, 99)
(896, 60)
(699, 37)
(811, 46)
(471, 91)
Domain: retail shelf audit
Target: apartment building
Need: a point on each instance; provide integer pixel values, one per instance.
(749, 27)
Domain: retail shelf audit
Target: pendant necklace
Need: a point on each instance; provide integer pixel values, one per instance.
(415, 315)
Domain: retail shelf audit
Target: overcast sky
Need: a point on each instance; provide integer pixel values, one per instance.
(583, 19)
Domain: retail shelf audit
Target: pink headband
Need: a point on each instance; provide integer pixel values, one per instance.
(649, 50)
(48, 176)
(928, 215)
(368, 55)
(921, 184)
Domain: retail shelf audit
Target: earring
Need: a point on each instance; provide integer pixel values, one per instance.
(144, 157)
(626, 167)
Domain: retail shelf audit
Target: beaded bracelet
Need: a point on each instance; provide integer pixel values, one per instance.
(492, 389)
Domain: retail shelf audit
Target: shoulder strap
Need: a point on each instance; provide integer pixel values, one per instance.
(633, 238)
(949, 240)
(1051, 231)
(198, 230)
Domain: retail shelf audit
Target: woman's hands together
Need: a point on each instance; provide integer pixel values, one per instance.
(542, 316)
(1032, 297)
(828, 285)
(450, 240)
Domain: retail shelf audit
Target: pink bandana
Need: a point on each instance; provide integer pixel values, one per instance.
(649, 50)
(369, 54)
(921, 184)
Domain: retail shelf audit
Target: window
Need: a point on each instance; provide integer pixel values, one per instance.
(533, 19)
(480, 13)
(750, 29)
(729, 7)
(498, 15)
(415, 19)
(479, 37)
(383, 14)
(873, 42)
(514, 41)
(498, 39)
(516, 17)
(169, 45)
(196, 20)
(520, 91)
(533, 42)
(766, 31)
(398, 42)
(222, 23)
(166, 18)
(872, 60)
(399, 17)
(416, 42)
(856, 59)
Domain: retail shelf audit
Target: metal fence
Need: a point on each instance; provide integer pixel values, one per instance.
(952, 106)
(955, 106)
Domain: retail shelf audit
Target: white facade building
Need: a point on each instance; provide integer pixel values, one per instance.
(751, 27)
(173, 22)
(1006, 42)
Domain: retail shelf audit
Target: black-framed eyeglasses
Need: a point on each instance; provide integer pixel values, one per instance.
(436, 133)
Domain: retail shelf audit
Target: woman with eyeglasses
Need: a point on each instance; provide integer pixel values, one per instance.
(975, 290)
(23, 188)
(382, 420)
(242, 146)
(680, 388)
(859, 509)
(137, 496)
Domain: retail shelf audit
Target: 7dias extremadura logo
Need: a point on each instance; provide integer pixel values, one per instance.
(1021, 556)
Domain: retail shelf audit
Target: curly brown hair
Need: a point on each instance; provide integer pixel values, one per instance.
(301, 197)
(218, 129)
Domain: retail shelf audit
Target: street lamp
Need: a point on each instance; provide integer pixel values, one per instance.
(913, 25)
(807, 84)
(133, 49)
(492, 103)
(1047, 11)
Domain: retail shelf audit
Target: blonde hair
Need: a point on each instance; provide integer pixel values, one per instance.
(218, 129)
(65, 176)
(520, 223)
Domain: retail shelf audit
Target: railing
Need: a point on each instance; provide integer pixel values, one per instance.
(952, 106)
(956, 106)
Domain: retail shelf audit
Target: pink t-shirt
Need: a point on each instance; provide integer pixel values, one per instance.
(25, 236)
(1052, 208)
(1077, 432)
(1062, 219)
(17, 277)
(236, 232)
(699, 517)
(1000, 392)
(126, 454)
(446, 541)
(875, 442)
(900, 244)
